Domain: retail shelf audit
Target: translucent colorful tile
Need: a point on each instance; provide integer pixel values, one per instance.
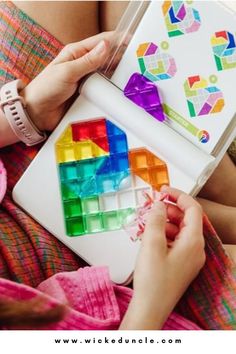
(93, 223)
(118, 143)
(148, 167)
(90, 205)
(66, 153)
(126, 215)
(75, 226)
(113, 129)
(119, 162)
(180, 18)
(89, 187)
(68, 171)
(85, 130)
(72, 208)
(158, 177)
(145, 94)
(70, 189)
(111, 220)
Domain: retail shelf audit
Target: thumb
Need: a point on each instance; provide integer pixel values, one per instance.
(90, 61)
(154, 234)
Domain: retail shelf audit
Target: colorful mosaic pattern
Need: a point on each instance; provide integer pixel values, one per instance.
(224, 49)
(202, 99)
(102, 182)
(155, 64)
(180, 18)
(145, 94)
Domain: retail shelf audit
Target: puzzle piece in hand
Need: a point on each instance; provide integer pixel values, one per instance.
(145, 94)
(202, 99)
(101, 183)
(154, 63)
(224, 49)
(180, 18)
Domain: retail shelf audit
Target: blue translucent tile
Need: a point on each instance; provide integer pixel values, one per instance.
(118, 143)
(67, 171)
(106, 183)
(88, 187)
(104, 167)
(112, 129)
(119, 162)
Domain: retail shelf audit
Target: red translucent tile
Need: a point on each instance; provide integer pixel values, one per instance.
(102, 143)
(98, 128)
(81, 131)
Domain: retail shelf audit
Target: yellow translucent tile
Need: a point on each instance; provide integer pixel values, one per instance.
(66, 153)
(66, 136)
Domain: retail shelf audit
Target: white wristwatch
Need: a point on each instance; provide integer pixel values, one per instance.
(14, 109)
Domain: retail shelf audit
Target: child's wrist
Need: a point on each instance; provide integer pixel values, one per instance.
(33, 109)
(144, 315)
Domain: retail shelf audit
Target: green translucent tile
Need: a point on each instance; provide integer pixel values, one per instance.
(75, 226)
(111, 220)
(72, 208)
(67, 192)
(93, 223)
(126, 215)
(90, 205)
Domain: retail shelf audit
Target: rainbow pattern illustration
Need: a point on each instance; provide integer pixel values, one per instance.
(180, 18)
(202, 99)
(224, 49)
(155, 64)
(102, 182)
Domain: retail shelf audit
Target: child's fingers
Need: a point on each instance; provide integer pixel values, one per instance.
(189, 206)
(174, 214)
(171, 231)
(154, 234)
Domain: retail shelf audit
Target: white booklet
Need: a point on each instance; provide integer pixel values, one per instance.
(90, 177)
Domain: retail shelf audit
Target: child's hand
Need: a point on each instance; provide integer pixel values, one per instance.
(165, 269)
(48, 94)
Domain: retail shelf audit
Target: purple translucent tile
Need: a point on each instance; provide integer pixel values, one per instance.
(205, 109)
(144, 93)
(182, 13)
(151, 49)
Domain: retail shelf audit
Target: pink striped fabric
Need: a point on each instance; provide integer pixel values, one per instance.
(94, 302)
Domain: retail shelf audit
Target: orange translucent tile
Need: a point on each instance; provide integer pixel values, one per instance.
(148, 167)
(158, 177)
(138, 158)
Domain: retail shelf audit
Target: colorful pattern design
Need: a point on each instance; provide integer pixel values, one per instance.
(155, 64)
(102, 183)
(180, 18)
(202, 99)
(224, 49)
